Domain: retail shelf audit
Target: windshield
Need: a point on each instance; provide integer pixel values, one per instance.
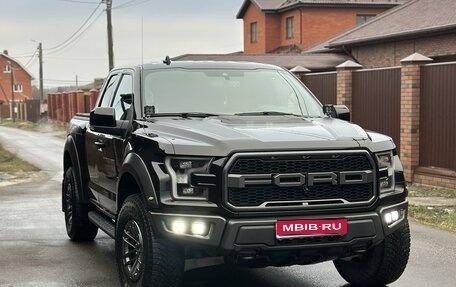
(227, 92)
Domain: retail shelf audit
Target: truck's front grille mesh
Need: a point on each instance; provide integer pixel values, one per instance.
(266, 193)
(254, 196)
(258, 165)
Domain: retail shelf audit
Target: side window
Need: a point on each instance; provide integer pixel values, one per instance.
(123, 97)
(107, 95)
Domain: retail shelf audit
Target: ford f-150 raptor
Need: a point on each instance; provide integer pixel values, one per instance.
(239, 161)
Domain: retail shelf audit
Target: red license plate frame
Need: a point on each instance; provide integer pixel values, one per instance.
(311, 228)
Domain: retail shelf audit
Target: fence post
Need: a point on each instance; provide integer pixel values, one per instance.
(345, 82)
(59, 107)
(93, 98)
(410, 112)
(300, 72)
(80, 102)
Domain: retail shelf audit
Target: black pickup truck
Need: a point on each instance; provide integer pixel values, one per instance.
(232, 161)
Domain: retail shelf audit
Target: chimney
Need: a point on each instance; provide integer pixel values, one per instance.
(5, 52)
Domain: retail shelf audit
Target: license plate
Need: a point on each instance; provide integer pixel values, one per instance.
(311, 227)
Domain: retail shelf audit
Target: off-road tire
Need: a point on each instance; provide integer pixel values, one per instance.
(381, 265)
(161, 263)
(78, 226)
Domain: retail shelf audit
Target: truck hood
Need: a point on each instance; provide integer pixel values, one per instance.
(220, 136)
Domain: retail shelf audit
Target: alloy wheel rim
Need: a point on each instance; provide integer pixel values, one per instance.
(69, 204)
(132, 250)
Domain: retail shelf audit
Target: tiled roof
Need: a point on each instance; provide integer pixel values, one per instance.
(408, 20)
(281, 5)
(313, 62)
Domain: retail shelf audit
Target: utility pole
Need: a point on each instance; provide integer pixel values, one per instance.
(13, 105)
(77, 84)
(110, 41)
(40, 55)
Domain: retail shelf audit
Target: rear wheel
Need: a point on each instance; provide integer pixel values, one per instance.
(142, 258)
(382, 265)
(78, 226)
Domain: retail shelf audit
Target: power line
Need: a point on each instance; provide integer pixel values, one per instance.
(130, 3)
(71, 38)
(75, 39)
(31, 58)
(65, 81)
(79, 2)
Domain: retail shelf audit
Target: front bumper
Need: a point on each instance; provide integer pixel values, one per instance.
(258, 234)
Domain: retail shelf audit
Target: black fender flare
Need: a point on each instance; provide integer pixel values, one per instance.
(135, 166)
(72, 150)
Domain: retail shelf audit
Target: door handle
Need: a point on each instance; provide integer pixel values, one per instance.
(100, 144)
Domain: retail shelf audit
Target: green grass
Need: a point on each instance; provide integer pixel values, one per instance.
(440, 217)
(11, 164)
(37, 127)
(418, 190)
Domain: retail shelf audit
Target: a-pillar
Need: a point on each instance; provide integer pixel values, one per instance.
(345, 82)
(410, 112)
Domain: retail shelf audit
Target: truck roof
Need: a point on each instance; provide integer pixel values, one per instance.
(202, 65)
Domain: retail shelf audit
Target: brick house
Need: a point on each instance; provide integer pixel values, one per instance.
(272, 24)
(427, 27)
(22, 80)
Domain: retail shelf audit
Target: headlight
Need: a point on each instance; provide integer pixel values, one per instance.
(181, 170)
(385, 161)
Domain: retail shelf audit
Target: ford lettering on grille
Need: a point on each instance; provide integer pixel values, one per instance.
(300, 179)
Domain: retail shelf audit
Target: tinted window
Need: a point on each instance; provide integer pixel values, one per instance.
(228, 92)
(107, 95)
(125, 88)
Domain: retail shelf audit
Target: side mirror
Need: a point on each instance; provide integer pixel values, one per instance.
(337, 111)
(103, 117)
(126, 98)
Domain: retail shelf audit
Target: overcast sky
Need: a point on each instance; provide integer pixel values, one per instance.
(171, 27)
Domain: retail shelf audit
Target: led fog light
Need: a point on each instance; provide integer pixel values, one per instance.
(179, 227)
(392, 216)
(199, 228)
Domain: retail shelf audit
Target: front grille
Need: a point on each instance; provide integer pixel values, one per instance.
(254, 185)
(259, 165)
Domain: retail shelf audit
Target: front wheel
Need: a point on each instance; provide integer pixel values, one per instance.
(78, 225)
(142, 258)
(382, 264)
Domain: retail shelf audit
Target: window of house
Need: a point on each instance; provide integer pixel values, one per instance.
(253, 32)
(290, 27)
(361, 19)
(7, 69)
(17, 88)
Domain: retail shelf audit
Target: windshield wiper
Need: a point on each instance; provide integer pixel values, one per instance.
(267, 113)
(183, 115)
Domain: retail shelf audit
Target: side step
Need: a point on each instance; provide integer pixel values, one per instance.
(103, 222)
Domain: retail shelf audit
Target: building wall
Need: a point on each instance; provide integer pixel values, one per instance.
(20, 76)
(440, 48)
(321, 24)
(311, 26)
(254, 14)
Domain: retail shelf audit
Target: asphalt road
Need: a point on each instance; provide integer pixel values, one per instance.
(35, 250)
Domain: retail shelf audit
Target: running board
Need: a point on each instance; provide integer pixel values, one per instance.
(103, 222)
